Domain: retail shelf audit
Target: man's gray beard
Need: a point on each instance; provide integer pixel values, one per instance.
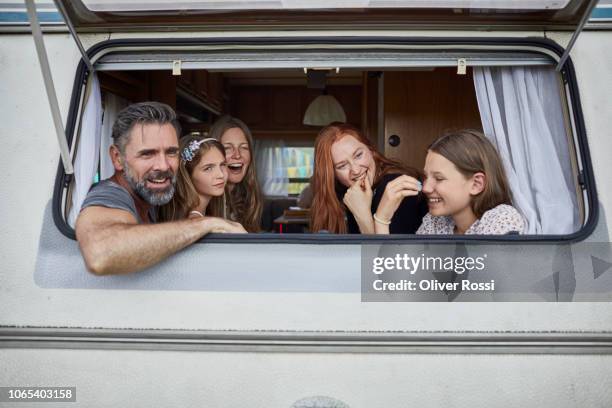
(148, 195)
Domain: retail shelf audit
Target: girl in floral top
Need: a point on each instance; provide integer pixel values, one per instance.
(466, 188)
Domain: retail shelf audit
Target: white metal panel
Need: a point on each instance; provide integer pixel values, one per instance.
(106, 378)
(28, 169)
(28, 173)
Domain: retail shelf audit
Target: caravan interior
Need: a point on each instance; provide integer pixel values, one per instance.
(419, 104)
(517, 98)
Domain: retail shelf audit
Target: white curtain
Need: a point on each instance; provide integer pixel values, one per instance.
(521, 113)
(271, 165)
(113, 104)
(88, 151)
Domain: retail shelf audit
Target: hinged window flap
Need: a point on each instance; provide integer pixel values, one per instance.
(46, 73)
(570, 45)
(162, 15)
(62, 10)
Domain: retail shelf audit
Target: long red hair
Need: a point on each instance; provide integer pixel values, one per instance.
(327, 211)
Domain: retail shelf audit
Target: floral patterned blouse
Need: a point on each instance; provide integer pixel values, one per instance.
(500, 220)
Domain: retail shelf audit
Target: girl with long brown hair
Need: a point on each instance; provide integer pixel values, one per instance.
(245, 203)
(351, 179)
(201, 184)
(467, 189)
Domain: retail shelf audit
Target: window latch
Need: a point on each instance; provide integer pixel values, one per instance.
(67, 180)
(176, 67)
(581, 180)
(461, 66)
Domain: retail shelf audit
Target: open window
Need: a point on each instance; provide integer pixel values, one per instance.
(401, 92)
(409, 90)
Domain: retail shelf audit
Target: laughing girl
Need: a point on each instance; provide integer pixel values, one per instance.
(245, 204)
(466, 188)
(351, 182)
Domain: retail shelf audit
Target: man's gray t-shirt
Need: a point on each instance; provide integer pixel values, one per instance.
(109, 194)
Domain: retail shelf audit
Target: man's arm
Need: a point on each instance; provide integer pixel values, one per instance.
(112, 241)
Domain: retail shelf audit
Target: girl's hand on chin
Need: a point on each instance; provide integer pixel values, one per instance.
(396, 190)
(358, 198)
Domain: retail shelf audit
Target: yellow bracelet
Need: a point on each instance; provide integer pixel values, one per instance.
(383, 222)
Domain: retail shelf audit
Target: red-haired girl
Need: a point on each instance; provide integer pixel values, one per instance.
(351, 179)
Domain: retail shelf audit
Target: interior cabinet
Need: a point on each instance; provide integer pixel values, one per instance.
(192, 91)
(214, 90)
(131, 85)
(420, 106)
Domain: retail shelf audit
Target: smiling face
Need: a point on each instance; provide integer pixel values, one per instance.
(352, 161)
(209, 176)
(150, 162)
(448, 191)
(237, 154)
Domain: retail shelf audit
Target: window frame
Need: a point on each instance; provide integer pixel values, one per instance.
(542, 45)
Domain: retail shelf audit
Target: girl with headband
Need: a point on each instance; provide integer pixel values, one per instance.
(201, 184)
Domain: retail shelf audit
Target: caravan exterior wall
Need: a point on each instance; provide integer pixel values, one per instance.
(215, 367)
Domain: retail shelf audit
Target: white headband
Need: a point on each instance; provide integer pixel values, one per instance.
(188, 152)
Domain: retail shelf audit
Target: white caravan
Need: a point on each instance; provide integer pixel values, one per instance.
(282, 320)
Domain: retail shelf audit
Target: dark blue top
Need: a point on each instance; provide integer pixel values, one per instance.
(408, 217)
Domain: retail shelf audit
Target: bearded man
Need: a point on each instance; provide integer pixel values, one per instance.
(116, 228)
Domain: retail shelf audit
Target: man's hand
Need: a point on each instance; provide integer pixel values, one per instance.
(220, 225)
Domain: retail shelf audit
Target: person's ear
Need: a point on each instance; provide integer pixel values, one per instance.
(479, 181)
(116, 158)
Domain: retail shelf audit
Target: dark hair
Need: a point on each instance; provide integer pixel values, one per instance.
(471, 152)
(142, 113)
